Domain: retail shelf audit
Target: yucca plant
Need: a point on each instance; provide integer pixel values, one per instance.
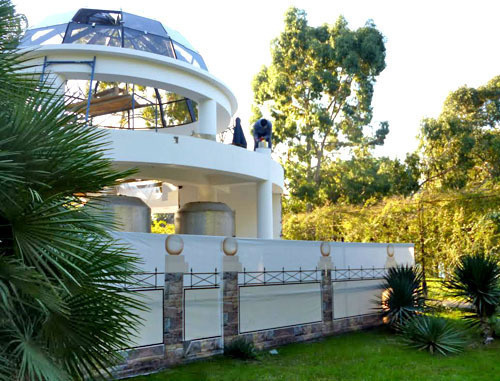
(476, 280)
(241, 349)
(432, 334)
(403, 294)
(63, 314)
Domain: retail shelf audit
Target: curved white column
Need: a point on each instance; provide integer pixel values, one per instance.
(207, 118)
(265, 209)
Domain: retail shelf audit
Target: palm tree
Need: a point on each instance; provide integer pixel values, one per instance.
(62, 313)
(476, 279)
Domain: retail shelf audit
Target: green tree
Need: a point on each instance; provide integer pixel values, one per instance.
(319, 89)
(364, 178)
(461, 148)
(63, 312)
(443, 225)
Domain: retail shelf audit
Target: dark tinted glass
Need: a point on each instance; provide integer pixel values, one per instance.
(147, 42)
(95, 35)
(97, 16)
(143, 24)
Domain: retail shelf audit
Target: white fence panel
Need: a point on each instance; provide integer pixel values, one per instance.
(355, 298)
(267, 307)
(202, 313)
(151, 330)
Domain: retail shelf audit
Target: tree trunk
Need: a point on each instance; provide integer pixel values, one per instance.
(486, 329)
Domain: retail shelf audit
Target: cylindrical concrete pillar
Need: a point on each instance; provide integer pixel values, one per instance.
(207, 118)
(265, 210)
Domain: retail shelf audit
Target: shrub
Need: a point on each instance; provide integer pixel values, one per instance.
(403, 295)
(476, 279)
(241, 349)
(432, 334)
(162, 227)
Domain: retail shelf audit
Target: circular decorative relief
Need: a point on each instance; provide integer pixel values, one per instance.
(390, 250)
(174, 244)
(230, 246)
(325, 249)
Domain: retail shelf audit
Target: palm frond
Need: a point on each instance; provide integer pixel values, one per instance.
(403, 294)
(432, 334)
(64, 311)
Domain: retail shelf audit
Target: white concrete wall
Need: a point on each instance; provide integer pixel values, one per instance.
(262, 307)
(277, 216)
(267, 307)
(204, 253)
(242, 199)
(151, 332)
(355, 298)
(202, 313)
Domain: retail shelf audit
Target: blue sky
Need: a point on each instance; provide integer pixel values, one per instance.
(433, 47)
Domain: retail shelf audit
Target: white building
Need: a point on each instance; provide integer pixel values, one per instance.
(151, 90)
(163, 108)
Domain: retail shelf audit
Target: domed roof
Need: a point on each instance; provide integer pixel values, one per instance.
(113, 28)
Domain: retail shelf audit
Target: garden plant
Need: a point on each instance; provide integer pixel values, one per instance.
(62, 313)
(476, 280)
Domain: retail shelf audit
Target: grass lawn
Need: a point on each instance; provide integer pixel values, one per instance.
(370, 355)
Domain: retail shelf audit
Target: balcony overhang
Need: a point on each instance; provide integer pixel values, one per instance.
(183, 160)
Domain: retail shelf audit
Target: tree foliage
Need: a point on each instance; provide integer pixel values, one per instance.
(443, 226)
(461, 148)
(319, 90)
(361, 179)
(63, 314)
(445, 197)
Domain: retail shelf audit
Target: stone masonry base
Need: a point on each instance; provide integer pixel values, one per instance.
(152, 359)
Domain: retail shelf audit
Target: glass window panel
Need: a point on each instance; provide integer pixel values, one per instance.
(95, 35)
(147, 42)
(176, 113)
(187, 55)
(97, 17)
(143, 24)
(198, 61)
(44, 36)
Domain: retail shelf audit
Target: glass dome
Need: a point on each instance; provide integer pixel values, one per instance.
(113, 28)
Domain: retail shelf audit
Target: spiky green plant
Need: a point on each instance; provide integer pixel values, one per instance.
(403, 294)
(432, 334)
(62, 313)
(241, 349)
(476, 280)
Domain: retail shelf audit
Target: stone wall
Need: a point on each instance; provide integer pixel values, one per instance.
(176, 351)
(153, 359)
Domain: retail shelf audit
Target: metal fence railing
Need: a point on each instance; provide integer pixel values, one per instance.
(362, 273)
(309, 276)
(279, 276)
(144, 281)
(197, 280)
